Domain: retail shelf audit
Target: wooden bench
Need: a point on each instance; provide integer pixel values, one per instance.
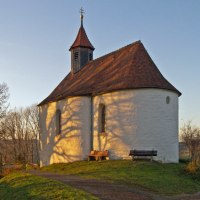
(98, 155)
(142, 153)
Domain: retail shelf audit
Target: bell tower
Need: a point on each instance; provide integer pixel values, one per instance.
(81, 49)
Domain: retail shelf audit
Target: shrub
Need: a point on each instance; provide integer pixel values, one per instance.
(11, 168)
(192, 168)
(30, 166)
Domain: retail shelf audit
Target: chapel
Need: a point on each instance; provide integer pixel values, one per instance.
(116, 102)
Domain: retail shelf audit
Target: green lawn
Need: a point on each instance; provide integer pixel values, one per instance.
(167, 179)
(21, 186)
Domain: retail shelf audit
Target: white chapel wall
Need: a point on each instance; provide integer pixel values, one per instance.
(74, 142)
(138, 119)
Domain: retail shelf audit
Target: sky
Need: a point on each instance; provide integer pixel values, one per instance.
(35, 36)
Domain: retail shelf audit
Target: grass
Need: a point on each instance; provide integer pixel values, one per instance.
(25, 187)
(169, 179)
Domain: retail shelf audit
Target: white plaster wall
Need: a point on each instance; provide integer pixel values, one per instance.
(138, 119)
(74, 142)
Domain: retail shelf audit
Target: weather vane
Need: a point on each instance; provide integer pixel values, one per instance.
(81, 12)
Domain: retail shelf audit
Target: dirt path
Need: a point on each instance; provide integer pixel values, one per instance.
(110, 191)
(102, 189)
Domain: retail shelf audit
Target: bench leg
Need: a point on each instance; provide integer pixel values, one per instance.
(151, 158)
(96, 158)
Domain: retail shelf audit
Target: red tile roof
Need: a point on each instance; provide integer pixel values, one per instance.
(130, 67)
(82, 40)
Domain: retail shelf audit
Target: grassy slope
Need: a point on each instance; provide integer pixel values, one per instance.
(157, 177)
(25, 187)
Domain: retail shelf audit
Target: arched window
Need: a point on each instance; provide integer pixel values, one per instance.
(102, 118)
(167, 99)
(58, 122)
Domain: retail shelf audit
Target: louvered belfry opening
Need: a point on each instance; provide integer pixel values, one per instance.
(80, 56)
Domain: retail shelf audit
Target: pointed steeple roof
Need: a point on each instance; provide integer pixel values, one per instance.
(82, 40)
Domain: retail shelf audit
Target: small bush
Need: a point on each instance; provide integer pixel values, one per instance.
(193, 171)
(31, 166)
(7, 169)
(192, 168)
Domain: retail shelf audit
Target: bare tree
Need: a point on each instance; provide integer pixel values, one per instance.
(3, 142)
(4, 95)
(9, 133)
(32, 116)
(19, 135)
(190, 134)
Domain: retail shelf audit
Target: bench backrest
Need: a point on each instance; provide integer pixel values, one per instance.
(103, 153)
(143, 152)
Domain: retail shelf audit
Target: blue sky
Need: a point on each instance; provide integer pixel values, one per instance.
(35, 36)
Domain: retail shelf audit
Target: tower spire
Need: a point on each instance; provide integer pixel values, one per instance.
(81, 49)
(81, 16)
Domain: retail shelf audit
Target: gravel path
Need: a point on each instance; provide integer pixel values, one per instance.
(102, 189)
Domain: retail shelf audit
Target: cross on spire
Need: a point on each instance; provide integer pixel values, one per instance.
(81, 12)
